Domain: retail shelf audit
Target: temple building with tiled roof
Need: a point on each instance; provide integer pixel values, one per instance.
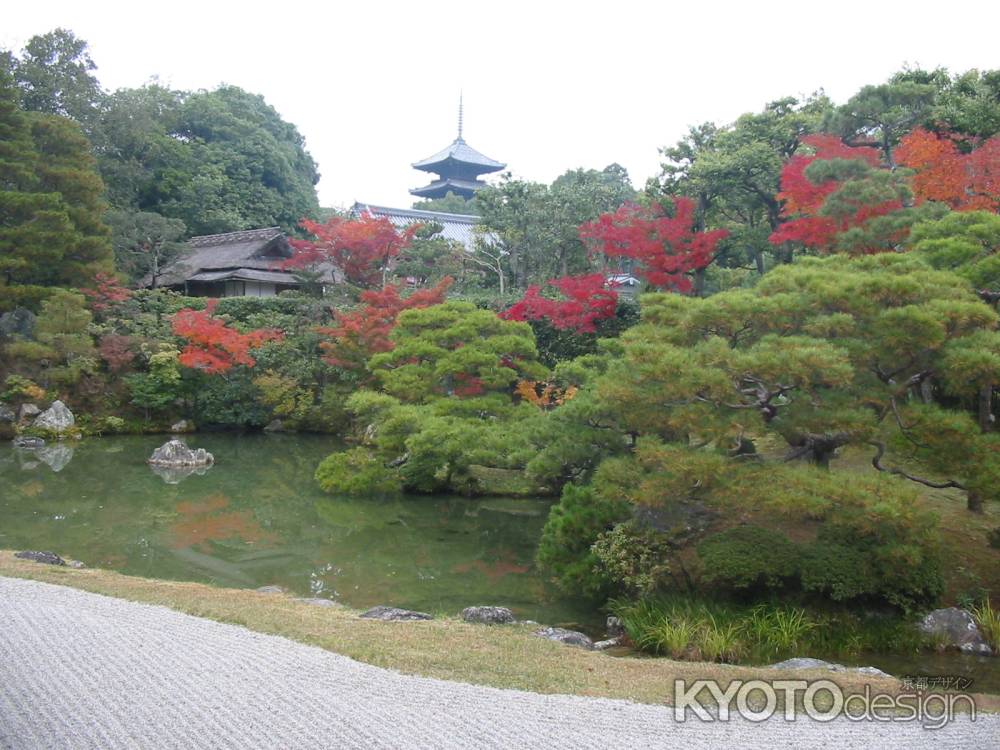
(457, 167)
(455, 227)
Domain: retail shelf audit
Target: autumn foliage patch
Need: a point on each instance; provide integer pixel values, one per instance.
(363, 332)
(584, 301)
(942, 172)
(661, 240)
(212, 346)
(363, 248)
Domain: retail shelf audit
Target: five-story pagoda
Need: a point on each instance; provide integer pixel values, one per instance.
(458, 168)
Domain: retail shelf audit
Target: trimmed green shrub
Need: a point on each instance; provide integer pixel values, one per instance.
(839, 571)
(356, 472)
(748, 557)
(574, 525)
(637, 558)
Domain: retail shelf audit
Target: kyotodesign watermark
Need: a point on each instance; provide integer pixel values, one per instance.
(819, 700)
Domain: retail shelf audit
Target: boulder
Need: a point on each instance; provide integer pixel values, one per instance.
(275, 425)
(606, 644)
(28, 442)
(57, 418)
(27, 412)
(569, 637)
(488, 615)
(182, 426)
(614, 626)
(270, 590)
(49, 558)
(956, 628)
(394, 613)
(805, 662)
(174, 453)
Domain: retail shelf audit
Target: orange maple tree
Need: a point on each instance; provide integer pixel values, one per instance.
(944, 173)
(212, 346)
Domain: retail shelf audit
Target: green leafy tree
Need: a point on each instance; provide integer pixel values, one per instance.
(161, 386)
(450, 204)
(144, 243)
(55, 75)
(880, 115)
(532, 228)
(217, 160)
(733, 173)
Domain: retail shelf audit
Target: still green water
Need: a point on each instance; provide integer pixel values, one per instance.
(257, 518)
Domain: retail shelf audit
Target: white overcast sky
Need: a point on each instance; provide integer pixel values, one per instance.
(549, 86)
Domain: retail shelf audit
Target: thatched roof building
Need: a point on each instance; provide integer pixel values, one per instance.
(235, 264)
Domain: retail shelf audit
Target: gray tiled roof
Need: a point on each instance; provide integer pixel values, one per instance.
(458, 227)
(460, 152)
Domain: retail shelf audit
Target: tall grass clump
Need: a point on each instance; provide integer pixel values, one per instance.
(988, 620)
(690, 628)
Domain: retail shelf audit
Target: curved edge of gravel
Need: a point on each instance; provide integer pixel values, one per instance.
(79, 669)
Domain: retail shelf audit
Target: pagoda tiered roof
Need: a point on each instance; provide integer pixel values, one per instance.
(461, 155)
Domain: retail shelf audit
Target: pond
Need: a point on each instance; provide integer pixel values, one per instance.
(257, 518)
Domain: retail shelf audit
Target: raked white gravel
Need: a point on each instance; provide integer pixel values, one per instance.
(80, 670)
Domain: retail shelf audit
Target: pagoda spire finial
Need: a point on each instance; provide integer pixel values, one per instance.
(460, 115)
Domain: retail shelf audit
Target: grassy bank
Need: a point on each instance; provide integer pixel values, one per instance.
(505, 657)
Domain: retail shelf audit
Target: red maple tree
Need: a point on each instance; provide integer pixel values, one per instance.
(803, 199)
(942, 172)
(106, 292)
(664, 246)
(212, 346)
(585, 300)
(363, 248)
(363, 332)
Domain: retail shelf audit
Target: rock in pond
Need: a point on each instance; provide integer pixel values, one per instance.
(394, 613)
(569, 637)
(28, 442)
(49, 558)
(174, 453)
(275, 425)
(606, 644)
(957, 628)
(57, 418)
(488, 615)
(182, 426)
(805, 662)
(27, 412)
